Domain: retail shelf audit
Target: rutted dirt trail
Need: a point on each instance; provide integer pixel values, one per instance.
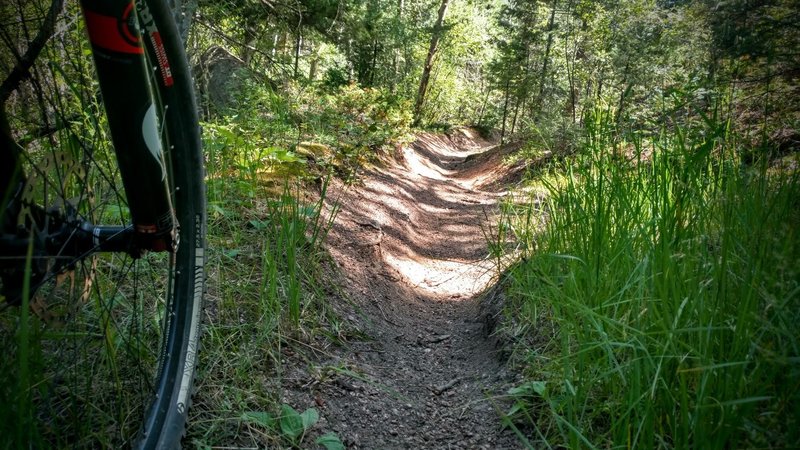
(410, 243)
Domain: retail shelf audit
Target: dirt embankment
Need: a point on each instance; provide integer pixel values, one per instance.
(409, 242)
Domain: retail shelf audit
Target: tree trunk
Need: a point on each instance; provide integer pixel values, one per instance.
(374, 63)
(348, 53)
(483, 107)
(297, 44)
(516, 113)
(505, 108)
(624, 89)
(546, 61)
(572, 89)
(426, 70)
(183, 12)
(248, 42)
(284, 44)
(10, 172)
(275, 43)
(522, 90)
(312, 66)
(570, 65)
(396, 50)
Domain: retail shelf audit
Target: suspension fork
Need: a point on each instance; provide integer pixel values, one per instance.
(133, 120)
(120, 59)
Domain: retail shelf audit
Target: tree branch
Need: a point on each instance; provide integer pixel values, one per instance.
(22, 69)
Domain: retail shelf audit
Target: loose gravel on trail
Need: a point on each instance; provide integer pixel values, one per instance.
(409, 244)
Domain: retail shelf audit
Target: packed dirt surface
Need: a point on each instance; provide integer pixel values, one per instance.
(409, 242)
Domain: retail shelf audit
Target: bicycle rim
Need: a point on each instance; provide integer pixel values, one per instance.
(102, 354)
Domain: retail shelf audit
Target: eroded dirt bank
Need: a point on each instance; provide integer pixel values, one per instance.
(410, 243)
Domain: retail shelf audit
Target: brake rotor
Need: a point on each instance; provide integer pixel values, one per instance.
(63, 287)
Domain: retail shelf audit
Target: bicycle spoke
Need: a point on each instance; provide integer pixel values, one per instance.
(98, 321)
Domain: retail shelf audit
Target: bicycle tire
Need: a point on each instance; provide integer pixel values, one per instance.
(132, 344)
(164, 424)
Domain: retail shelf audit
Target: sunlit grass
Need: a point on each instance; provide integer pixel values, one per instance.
(670, 275)
(266, 269)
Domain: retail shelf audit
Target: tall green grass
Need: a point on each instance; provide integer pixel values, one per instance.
(266, 290)
(669, 272)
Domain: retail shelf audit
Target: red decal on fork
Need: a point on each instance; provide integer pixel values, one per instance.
(161, 55)
(158, 45)
(113, 33)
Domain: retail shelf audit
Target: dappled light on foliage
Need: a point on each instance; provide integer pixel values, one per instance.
(445, 223)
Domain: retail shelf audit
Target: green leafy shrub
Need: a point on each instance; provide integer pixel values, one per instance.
(356, 122)
(261, 139)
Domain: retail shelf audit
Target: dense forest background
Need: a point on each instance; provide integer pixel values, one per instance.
(528, 68)
(654, 293)
(533, 70)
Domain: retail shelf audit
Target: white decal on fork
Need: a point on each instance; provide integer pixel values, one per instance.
(151, 138)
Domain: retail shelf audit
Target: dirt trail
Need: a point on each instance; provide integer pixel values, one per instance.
(410, 243)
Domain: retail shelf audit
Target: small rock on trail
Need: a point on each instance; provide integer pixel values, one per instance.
(409, 242)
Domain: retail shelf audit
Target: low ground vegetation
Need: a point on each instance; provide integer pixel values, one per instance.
(656, 297)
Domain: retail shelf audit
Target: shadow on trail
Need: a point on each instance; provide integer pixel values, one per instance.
(409, 243)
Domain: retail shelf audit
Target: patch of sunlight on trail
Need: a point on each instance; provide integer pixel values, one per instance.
(443, 278)
(439, 277)
(423, 219)
(423, 167)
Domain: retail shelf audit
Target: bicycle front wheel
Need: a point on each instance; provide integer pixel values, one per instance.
(165, 418)
(101, 348)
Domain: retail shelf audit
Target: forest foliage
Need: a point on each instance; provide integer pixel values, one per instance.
(534, 68)
(658, 249)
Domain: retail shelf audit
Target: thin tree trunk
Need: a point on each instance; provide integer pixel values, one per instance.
(546, 61)
(600, 87)
(514, 120)
(426, 70)
(396, 50)
(312, 66)
(623, 92)
(483, 107)
(248, 40)
(374, 65)
(348, 52)
(585, 103)
(183, 12)
(571, 78)
(570, 65)
(505, 108)
(25, 62)
(522, 91)
(9, 170)
(621, 105)
(297, 44)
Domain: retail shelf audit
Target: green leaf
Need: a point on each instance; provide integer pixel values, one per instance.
(529, 388)
(259, 417)
(285, 156)
(310, 418)
(291, 422)
(517, 407)
(259, 225)
(232, 253)
(330, 441)
(539, 387)
(309, 211)
(217, 209)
